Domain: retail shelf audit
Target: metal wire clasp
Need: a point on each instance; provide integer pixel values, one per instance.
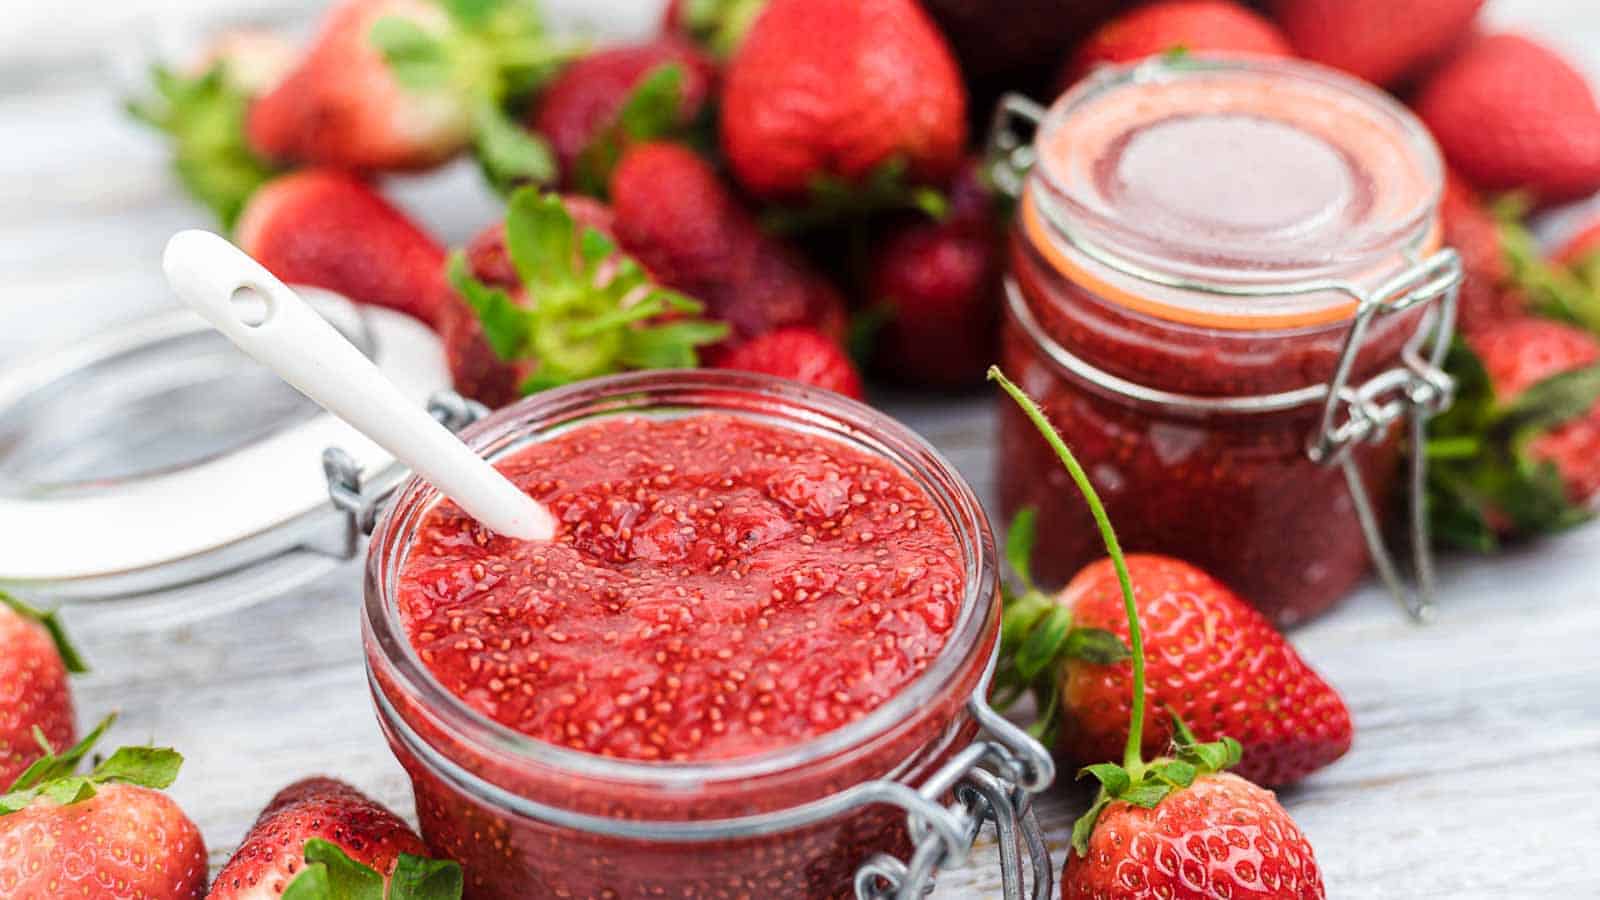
(992, 781)
(362, 496)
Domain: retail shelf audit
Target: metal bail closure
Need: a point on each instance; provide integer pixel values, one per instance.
(1416, 390)
(992, 781)
(1010, 153)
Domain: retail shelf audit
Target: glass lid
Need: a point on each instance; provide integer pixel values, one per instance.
(149, 460)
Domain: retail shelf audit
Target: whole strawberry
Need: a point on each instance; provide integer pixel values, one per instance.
(937, 286)
(331, 230)
(547, 299)
(798, 354)
(1178, 826)
(1512, 115)
(1382, 41)
(110, 833)
(1195, 26)
(1488, 294)
(35, 659)
(837, 90)
(1519, 452)
(320, 832)
(617, 96)
(681, 221)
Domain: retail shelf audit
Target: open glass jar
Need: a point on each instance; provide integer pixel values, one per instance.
(1226, 288)
(872, 807)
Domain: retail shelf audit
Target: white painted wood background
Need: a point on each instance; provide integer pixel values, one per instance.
(1473, 772)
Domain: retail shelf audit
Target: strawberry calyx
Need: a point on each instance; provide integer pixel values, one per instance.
(719, 25)
(591, 311)
(204, 115)
(1135, 781)
(54, 777)
(832, 199)
(1037, 636)
(654, 110)
(492, 56)
(1482, 479)
(330, 874)
(1560, 292)
(70, 657)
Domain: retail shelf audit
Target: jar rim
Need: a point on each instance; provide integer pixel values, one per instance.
(1244, 279)
(773, 400)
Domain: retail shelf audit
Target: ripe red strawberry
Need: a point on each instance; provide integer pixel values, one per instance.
(1510, 114)
(1580, 250)
(291, 840)
(1219, 837)
(937, 285)
(838, 89)
(1198, 26)
(798, 354)
(35, 658)
(616, 96)
(332, 230)
(108, 834)
(343, 107)
(547, 300)
(1519, 453)
(1214, 661)
(1488, 295)
(1176, 826)
(688, 229)
(1383, 41)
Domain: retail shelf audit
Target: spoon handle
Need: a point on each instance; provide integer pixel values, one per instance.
(291, 339)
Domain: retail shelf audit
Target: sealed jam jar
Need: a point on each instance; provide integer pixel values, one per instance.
(751, 664)
(1227, 290)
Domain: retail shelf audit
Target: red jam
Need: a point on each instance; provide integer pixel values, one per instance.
(1169, 245)
(718, 588)
(761, 599)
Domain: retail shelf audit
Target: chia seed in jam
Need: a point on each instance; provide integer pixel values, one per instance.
(1151, 187)
(760, 598)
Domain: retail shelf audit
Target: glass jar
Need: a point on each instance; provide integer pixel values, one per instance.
(1222, 289)
(820, 818)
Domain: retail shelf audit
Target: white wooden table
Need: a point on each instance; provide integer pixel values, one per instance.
(1473, 770)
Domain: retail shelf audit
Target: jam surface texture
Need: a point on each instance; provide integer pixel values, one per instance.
(718, 588)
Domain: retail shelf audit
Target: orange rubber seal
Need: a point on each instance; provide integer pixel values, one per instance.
(1041, 237)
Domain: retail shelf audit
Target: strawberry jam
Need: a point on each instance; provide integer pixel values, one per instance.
(761, 599)
(1189, 252)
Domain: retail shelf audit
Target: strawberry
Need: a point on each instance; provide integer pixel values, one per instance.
(798, 354)
(1207, 651)
(1510, 114)
(617, 96)
(35, 659)
(689, 230)
(835, 90)
(203, 112)
(1383, 41)
(555, 302)
(109, 833)
(320, 832)
(1488, 293)
(331, 230)
(1582, 249)
(1197, 26)
(936, 284)
(408, 84)
(1177, 826)
(1220, 836)
(1519, 452)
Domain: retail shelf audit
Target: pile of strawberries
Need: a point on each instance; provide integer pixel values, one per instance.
(760, 185)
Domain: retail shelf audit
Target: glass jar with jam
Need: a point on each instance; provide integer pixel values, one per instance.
(752, 663)
(1226, 288)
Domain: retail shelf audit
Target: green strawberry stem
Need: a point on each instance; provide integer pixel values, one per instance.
(1132, 754)
(71, 659)
(1135, 781)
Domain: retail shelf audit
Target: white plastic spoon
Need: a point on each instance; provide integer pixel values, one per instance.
(289, 338)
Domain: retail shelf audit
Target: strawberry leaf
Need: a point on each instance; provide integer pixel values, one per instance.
(1094, 645)
(1083, 828)
(1042, 647)
(1552, 289)
(1112, 777)
(1554, 401)
(313, 883)
(505, 324)
(418, 59)
(71, 659)
(151, 767)
(1021, 538)
(419, 878)
(508, 154)
(653, 110)
(720, 25)
(330, 874)
(51, 776)
(833, 200)
(204, 115)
